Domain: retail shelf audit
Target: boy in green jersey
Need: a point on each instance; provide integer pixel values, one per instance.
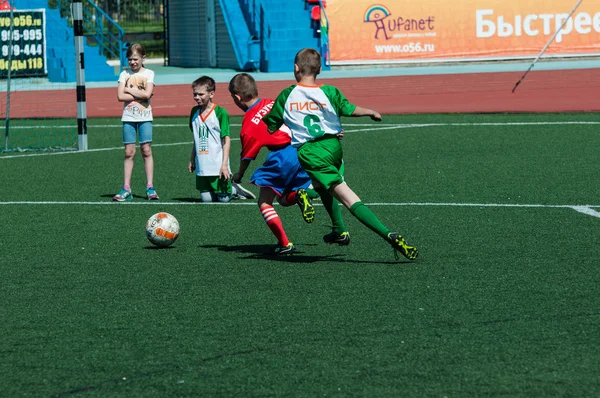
(312, 112)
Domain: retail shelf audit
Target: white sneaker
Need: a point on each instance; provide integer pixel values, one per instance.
(242, 192)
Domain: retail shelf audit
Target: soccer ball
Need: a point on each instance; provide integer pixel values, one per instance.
(162, 229)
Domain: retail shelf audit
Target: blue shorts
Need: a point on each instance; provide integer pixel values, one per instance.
(130, 130)
(281, 172)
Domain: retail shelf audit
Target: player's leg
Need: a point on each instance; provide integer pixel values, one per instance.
(128, 164)
(129, 140)
(312, 194)
(358, 209)
(266, 196)
(145, 132)
(322, 160)
(301, 198)
(297, 182)
(206, 188)
(208, 197)
(339, 234)
(239, 192)
(223, 189)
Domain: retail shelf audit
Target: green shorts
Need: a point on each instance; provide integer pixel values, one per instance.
(322, 160)
(213, 184)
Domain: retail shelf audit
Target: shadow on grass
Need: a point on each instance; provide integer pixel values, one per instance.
(108, 195)
(265, 252)
(152, 247)
(187, 200)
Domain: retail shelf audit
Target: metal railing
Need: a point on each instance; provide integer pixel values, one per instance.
(98, 27)
(251, 10)
(324, 37)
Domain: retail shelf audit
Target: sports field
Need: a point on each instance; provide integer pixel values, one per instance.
(503, 300)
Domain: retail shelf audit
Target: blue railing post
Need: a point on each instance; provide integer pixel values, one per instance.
(324, 39)
(123, 56)
(99, 31)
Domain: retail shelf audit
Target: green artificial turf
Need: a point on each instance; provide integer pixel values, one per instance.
(503, 300)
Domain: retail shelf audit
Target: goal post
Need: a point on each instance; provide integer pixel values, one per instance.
(40, 115)
(80, 75)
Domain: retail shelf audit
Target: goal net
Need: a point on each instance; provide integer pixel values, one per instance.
(38, 114)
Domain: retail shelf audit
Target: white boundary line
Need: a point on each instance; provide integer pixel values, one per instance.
(587, 210)
(584, 209)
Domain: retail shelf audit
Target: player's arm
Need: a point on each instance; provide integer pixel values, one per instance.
(226, 144)
(251, 146)
(343, 107)
(192, 163)
(374, 115)
(141, 93)
(274, 119)
(238, 175)
(122, 95)
(223, 118)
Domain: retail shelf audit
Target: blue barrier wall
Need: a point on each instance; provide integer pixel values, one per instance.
(60, 48)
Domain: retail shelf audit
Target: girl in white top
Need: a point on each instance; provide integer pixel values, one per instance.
(136, 87)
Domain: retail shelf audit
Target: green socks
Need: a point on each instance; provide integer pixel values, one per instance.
(366, 216)
(333, 209)
(358, 210)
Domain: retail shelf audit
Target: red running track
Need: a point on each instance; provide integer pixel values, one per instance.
(573, 90)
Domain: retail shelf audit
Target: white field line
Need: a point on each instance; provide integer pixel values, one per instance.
(584, 209)
(368, 127)
(587, 210)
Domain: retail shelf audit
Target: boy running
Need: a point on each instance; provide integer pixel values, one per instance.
(281, 175)
(313, 113)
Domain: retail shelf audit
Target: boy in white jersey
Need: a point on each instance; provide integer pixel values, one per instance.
(210, 153)
(312, 112)
(136, 87)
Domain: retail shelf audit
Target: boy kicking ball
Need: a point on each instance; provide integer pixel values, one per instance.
(312, 112)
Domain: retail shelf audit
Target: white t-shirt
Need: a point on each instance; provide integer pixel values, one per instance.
(137, 111)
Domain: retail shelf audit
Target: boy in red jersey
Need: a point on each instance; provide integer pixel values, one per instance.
(280, 176)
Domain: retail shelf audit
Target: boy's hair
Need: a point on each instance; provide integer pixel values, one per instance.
(243, 85)
(308, 61)
(136, 48)
(207, 81)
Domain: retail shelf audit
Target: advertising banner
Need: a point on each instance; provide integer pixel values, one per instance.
(28, 42)
(389, 31)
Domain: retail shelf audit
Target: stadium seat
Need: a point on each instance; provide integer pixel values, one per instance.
(315, 13)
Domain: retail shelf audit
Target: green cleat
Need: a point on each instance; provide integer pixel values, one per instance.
(307, 209)
(342, 239)
(400, 245)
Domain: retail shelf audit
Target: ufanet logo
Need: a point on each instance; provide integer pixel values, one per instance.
(390, 27)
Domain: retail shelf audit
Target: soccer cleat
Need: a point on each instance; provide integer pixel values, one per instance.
(242, 192)
(123, 196)
(400, 245)
(151, 193)
(285, 250)
(307, 209)
(342, 239)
